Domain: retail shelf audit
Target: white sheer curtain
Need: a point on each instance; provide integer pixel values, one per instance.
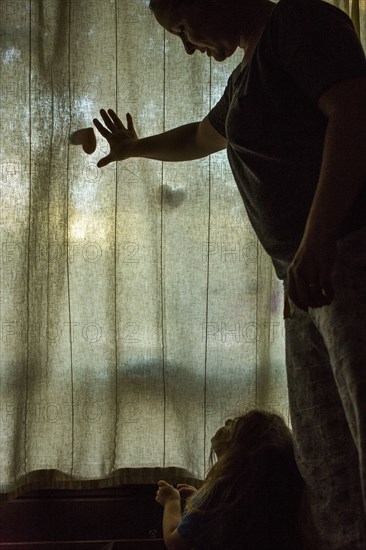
(138, 311)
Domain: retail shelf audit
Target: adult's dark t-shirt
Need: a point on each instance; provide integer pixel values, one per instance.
(275, 131)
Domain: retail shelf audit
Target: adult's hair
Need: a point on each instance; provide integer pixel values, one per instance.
(168, 5)
(253, 497)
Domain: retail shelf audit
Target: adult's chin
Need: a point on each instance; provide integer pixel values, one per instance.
(221, 55)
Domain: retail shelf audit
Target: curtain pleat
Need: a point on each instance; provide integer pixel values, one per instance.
(138, 310)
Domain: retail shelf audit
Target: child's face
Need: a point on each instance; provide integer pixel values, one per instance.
(222, 437)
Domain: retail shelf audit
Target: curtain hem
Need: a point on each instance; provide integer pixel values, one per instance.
(55, 479)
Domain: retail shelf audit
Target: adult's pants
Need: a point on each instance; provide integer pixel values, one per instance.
(326, 370)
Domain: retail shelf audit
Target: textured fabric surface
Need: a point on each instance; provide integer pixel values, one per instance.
(138, 311)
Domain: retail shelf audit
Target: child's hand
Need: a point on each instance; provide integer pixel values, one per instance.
(185, 490)
(166, 492)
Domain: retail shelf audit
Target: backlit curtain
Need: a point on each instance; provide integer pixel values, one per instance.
(138, 311)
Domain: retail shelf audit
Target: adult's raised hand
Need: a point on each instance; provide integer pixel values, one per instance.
(121, 138)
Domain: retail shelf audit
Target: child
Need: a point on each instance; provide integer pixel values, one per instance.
(253, 497)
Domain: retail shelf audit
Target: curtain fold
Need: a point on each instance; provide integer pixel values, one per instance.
(138, 311)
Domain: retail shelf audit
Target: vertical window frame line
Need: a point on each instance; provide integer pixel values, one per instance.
(162, 286)
(48, 212)
(207, 291)
(68, 257)
(116, 349)
(29, 234)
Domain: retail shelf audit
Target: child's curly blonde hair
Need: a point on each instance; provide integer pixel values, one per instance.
(253, 497)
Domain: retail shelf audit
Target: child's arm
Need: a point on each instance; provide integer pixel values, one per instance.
(169, 497)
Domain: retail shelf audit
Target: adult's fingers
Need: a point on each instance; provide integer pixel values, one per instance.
(104, 161)
(316, 296)
(294, 292)
(130, 125)
(107, 120)
(326, 282)
(305, 295)
(101, 128)
(116, 120)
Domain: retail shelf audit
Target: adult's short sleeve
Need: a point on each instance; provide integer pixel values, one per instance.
(218, 114)
(316, 44)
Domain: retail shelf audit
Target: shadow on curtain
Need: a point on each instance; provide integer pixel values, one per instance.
(138, 311)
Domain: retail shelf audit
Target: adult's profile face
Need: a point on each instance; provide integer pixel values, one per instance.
(200, 28)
